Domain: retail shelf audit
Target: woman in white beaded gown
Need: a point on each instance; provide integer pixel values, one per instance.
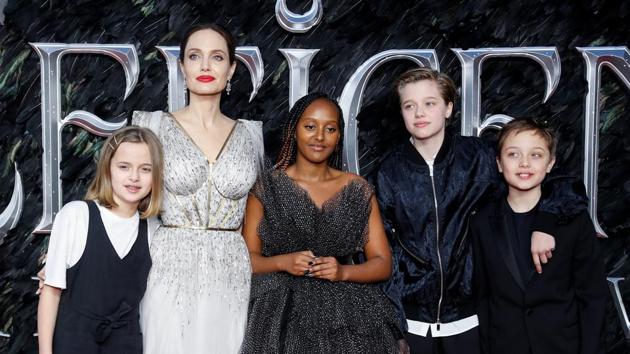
(198, 288)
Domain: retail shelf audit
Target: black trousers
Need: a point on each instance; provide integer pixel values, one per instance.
(463, 343)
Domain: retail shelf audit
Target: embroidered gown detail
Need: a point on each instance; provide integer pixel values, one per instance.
(198, 288)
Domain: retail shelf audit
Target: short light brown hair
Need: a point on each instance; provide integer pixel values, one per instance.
(444, 82)
(100, 188)
(538, 126)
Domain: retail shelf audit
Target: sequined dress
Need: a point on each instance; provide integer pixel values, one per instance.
(290, 314)
(198, 288)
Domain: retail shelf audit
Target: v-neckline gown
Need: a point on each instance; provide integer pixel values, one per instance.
(295, 314)
(198, 288)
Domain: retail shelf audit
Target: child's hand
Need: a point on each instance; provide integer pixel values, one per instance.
(327, 268)
(542, 245)
(297, 263)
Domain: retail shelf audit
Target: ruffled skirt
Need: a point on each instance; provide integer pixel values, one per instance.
(304, 315)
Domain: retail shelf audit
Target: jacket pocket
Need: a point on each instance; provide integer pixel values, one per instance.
(462, 243)
(407, 251)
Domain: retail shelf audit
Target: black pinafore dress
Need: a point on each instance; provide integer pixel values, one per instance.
(98, 310)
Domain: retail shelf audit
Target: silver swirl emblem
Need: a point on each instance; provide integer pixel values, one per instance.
(297, 23)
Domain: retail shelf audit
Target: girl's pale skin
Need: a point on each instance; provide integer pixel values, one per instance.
(132, 179)
(317, 134)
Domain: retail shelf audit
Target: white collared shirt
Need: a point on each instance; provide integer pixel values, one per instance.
(68, 237)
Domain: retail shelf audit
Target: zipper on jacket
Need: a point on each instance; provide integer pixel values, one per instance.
(416, 258)
(437, 236)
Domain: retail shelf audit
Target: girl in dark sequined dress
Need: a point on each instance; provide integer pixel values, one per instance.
(304, 220)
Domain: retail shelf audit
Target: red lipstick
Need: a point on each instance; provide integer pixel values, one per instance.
(205, 78)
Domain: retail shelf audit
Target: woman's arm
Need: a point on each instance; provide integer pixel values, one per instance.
(47, 317)
(296, 263)
(376, 268)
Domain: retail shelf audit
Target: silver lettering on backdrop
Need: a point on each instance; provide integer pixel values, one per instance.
(252, 59)
(50, 55)
(299, 64)
(618, 60)
(296, 23)
(613, 285)
(11, 214)
(352, 95)
(176, 82)
(249, 56)
(472, 61)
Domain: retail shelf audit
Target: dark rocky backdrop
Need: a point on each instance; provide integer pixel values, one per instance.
(350, 32)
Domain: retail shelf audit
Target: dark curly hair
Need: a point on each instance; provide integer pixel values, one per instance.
(288, 152)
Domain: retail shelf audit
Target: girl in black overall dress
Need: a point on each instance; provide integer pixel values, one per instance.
(98, 257)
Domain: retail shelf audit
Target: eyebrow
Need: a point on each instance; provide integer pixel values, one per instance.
(212, 51)
(129, 163)
(426, 98)
(336, 121)
(518, 148)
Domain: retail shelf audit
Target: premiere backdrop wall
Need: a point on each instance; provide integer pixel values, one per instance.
(552, 82)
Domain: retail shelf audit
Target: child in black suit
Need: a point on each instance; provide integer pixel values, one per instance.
(521, 311)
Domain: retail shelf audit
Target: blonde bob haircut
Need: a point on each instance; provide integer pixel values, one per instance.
(445, 84)
(100, 188)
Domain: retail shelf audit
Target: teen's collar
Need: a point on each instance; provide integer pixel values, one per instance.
(442, 154)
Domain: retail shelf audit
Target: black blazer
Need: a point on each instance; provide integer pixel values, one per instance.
(560, 311)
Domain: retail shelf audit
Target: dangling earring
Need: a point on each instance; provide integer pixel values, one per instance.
(228, 87)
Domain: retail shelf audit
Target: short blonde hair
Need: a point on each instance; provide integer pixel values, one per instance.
(100, 188)
(445, 84)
